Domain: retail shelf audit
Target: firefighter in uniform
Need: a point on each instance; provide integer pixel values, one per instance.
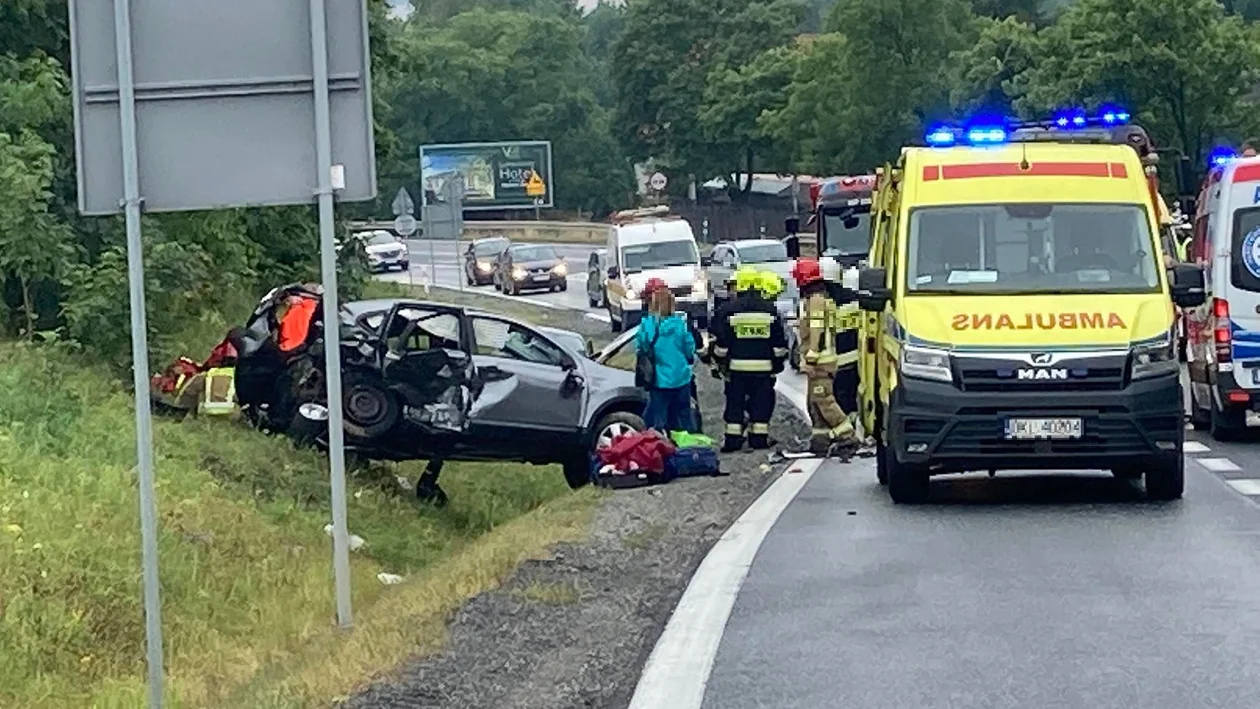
(841, 289)
(819, 320)
(750, 345)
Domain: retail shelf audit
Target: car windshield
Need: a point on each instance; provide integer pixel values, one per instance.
(490, 248)
(381, 238)
(535, 253)
(661, 254)
(1031, 248)
(842, 240)
(763, 253)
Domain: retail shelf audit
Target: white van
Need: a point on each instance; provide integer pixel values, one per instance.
(651, 243)
(1223, 335)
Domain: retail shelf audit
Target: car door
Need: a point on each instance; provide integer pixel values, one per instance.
(594, 275)
(532, 395)
(424, 360)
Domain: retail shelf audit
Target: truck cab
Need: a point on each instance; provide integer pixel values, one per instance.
(1024, 313)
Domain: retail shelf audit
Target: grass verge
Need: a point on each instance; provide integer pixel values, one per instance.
(245, 564)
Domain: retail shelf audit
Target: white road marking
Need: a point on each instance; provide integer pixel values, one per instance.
(678, 670)
(1247, 487)
(602, 317)
(1195, 447)
(1219, 465)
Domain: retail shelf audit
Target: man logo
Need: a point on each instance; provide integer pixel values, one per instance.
(1042, 375)
(1042, 359)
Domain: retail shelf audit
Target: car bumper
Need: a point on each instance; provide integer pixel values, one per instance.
(550, 280)
(937, 426)
(387, 264)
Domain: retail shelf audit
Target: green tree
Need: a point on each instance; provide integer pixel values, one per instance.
(869, 87)
(1025, 10)
(1183, 67)
(661, 68)
(983, 75)
(738, 103)
(487, 76)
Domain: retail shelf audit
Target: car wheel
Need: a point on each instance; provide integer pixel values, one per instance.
(470, 278)
(577, 471)
(907, 484)
(1225, 425)
(1200, 419)
(497, 286)
(591, 302)
(1167, 482)
(371, 410)
(564, 286)
(614, 425)
(881, 463)
(613, 322)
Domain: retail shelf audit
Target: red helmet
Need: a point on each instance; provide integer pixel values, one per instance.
(806, 271)
(653, 285)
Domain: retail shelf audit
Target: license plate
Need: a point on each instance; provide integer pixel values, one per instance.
(543, 277)
(1043, 429)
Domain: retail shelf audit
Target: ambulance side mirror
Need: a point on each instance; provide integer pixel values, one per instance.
(873, 293)
(1188, 289)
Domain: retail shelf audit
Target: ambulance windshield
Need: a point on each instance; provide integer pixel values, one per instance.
(1032, 248)
(839, 239)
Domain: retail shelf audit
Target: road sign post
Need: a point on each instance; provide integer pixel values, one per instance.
(188, 126)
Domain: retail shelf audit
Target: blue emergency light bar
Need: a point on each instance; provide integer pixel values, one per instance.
(1220, 156)
(999, 132)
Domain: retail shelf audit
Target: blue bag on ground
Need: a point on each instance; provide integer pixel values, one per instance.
(692, 461)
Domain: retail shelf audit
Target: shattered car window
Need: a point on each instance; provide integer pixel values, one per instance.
(496, 338)
(417, 330)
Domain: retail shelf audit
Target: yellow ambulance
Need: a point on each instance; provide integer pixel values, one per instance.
(1023, 316)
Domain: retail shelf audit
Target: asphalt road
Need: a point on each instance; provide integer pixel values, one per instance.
(1029, 591)
(448, 263)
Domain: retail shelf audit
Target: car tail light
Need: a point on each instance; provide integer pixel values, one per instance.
(1224, 340)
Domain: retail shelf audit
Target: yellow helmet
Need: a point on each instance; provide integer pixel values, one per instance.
(746, 278)
(770, 284)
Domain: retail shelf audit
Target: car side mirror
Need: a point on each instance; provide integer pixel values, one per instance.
(792, 242)
(706, 261)
(613, 272)
(1188, 288)
(873, 291)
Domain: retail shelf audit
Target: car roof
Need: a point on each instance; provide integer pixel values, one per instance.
(484, 239)
(744, 243)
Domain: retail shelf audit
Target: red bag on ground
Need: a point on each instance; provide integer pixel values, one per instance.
(642, 451)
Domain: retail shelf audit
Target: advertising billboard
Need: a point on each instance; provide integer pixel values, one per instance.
(503, 175)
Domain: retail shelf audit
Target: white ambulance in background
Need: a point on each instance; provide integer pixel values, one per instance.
(1223, 348)
(652, 243)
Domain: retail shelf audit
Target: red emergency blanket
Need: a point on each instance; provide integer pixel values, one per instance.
(642, 451)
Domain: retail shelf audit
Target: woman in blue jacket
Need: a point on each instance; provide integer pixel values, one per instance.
(666, 336)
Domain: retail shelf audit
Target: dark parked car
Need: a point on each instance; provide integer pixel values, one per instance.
(418, 375)
(597, 279)
(525, 267)
(480, 257)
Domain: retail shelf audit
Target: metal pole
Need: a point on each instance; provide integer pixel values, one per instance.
(432, 268)
(332, 331)
(139, 350)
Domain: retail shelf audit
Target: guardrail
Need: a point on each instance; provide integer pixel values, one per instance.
(540, 231)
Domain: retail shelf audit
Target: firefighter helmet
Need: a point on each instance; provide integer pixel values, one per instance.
(745, 279)
(770, 284)
(806, 271)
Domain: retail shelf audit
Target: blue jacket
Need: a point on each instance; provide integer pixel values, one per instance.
(675, 349)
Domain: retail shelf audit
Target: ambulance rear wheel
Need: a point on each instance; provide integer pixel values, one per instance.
(1199, 418)
(907, 485)
(1226, 425)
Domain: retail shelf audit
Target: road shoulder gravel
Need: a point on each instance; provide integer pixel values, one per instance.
(574, 630)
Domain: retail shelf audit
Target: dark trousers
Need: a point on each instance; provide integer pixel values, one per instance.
(845, 387)
(751, 396)
(669, 410)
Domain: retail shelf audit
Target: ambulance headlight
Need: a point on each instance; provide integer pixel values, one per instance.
(1155, 357)
(926, 363)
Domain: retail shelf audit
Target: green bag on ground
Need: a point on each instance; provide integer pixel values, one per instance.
(685, 439)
